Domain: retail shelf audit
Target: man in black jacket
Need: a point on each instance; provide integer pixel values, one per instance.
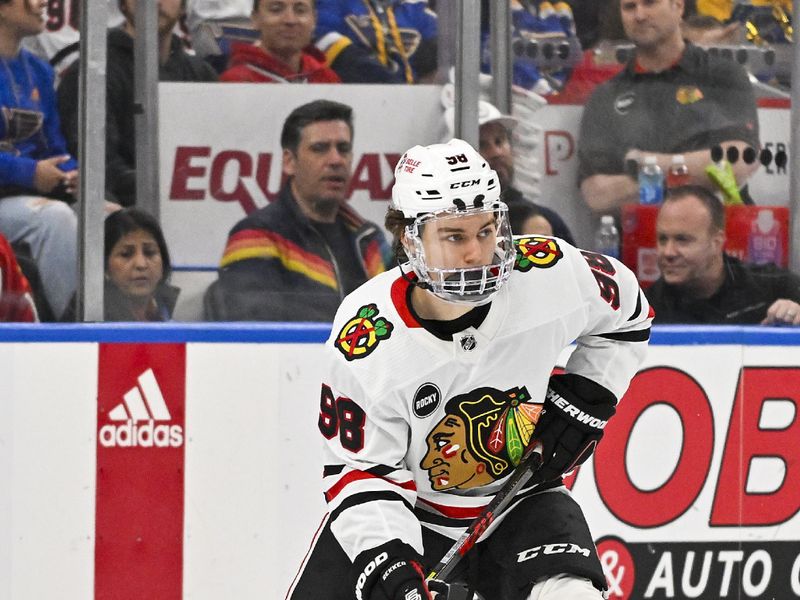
(699, 283)
(174, 65)
(296, 259)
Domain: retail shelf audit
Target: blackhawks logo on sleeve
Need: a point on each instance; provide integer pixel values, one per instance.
(481, 438)
(535, 251)
(361, 334)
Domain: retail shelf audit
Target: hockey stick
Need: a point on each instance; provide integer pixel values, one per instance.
(528, 465)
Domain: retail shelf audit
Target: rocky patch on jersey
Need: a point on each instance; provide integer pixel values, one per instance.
(535, 251)
(362, 334)
(426, 400)
(481, 438)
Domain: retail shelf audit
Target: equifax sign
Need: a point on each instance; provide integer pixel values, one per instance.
(254, 179)
(741, 544)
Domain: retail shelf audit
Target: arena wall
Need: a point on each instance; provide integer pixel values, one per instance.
(183, 461)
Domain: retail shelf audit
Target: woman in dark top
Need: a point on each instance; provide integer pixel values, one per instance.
(137, 269)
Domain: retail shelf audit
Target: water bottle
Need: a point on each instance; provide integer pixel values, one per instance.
(651, 182)
(606, 238)
(764, 242)
(678, 172)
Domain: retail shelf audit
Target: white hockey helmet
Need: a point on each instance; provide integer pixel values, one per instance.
(443, 184)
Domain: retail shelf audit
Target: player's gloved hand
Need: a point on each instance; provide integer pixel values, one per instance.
(391, 571)
(576, 411)
(451, 591)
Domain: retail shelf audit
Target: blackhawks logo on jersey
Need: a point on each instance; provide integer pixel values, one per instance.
(536, 251)
(361, 334)
(481, 438)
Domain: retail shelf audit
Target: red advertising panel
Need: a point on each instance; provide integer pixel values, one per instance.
(756, 234)
(661, 558)
(140, 463)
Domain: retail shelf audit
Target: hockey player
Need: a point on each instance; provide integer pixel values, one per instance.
(440, 375)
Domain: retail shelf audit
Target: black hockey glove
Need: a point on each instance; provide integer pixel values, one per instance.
(391, 571)
(576, 411)
(451, 591)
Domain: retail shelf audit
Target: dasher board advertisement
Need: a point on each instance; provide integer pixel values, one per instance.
(162, 468)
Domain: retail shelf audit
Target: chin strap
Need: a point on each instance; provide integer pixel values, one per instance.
(411, 279)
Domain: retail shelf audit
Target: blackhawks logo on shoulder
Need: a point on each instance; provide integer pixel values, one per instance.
(361, 334)
(535, 251)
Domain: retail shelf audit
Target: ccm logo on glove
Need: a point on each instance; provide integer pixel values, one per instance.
(575, 412)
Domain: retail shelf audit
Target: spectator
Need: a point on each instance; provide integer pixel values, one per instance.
(495, 146)
(671, 98)
(528, 219)
(378, 41)
(174, 65)
(137, 269)
(36, 173)
(699, 283)
(295, 259)
(284, 53)
(16, 298)
(540, 32)
(600, 62)
(59, 42)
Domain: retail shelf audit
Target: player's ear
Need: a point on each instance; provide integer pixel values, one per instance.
(405, 242)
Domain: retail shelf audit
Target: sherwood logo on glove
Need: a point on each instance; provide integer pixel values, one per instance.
(145, 416)
(575, 412)
(368, 570)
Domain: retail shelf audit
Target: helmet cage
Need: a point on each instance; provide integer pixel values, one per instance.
(473, 285)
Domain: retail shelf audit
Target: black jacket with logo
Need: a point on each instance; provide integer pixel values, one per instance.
(699, 102)
(746, 294)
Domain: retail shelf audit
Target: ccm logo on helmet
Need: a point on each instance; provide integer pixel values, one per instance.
(371, 566)
(463, 184)
(575, 412)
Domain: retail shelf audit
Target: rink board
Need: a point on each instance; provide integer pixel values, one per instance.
(215, 491)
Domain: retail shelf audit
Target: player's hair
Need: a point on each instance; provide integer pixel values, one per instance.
(313, 112)
(128, 220)
(713, 204)
(395, 223)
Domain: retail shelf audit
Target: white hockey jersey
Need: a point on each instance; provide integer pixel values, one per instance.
(420, 431)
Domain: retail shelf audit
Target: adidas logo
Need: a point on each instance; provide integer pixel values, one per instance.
(144, 413)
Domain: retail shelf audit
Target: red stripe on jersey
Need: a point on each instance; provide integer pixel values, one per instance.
(399, 295)
(454, 512)
(353, 476)
(651, 314)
